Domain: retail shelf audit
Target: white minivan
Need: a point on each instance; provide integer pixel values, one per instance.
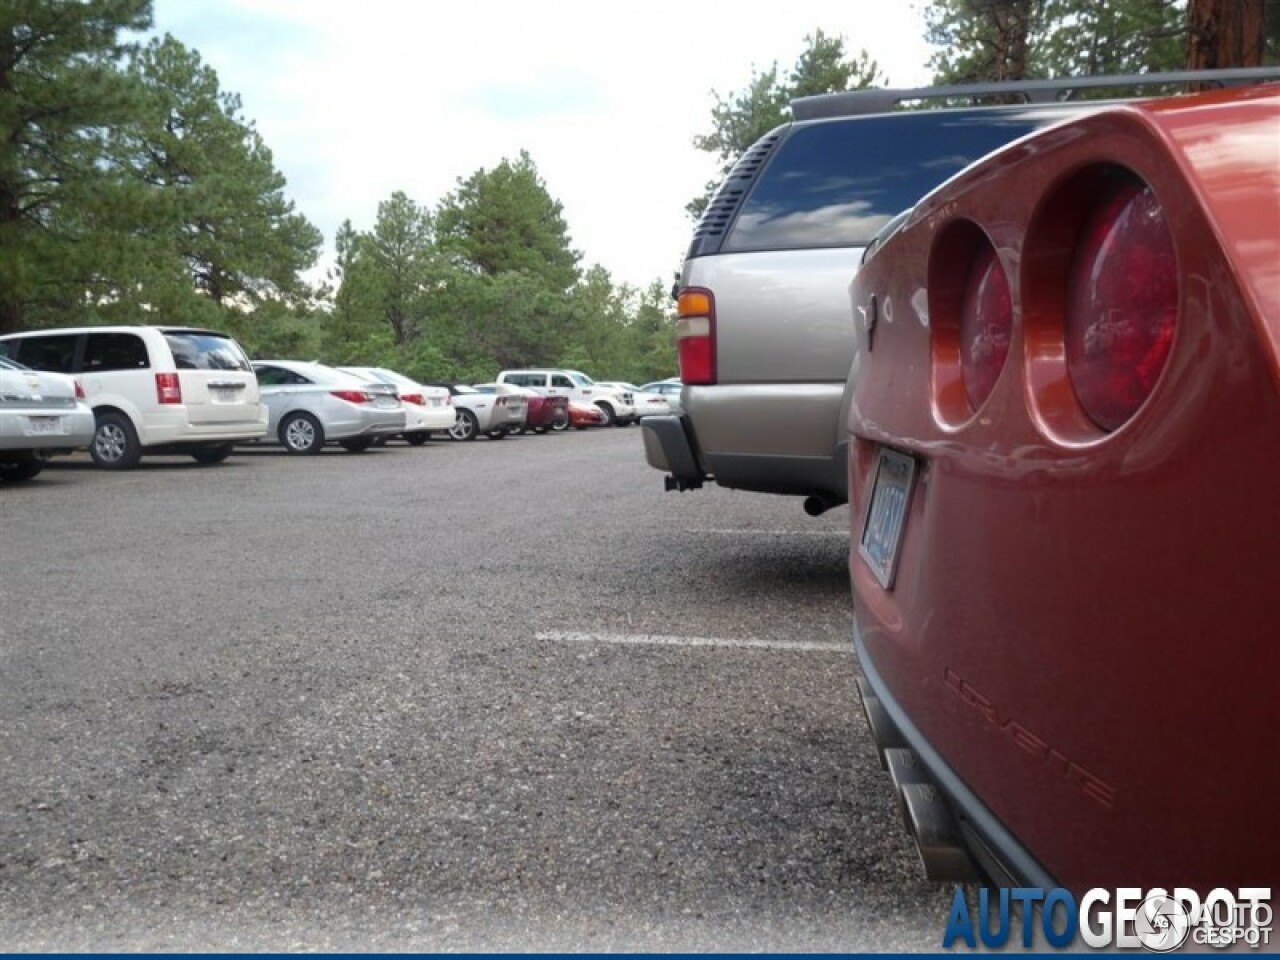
(152, 389)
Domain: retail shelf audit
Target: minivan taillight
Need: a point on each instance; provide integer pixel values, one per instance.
(1122, 304)
(696, 336)
(168, 389)
(986, 325)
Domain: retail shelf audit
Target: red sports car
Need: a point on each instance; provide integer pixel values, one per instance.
(1064, 455)
(583, 415)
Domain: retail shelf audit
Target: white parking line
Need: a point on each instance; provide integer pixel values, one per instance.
(771, 533)
(658, 640)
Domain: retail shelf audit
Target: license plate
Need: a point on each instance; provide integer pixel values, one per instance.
(886, 515)
(43, 425)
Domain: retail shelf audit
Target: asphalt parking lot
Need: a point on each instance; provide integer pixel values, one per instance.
(485, 696)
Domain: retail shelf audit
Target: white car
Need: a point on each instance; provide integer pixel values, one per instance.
(427, 410)
(152, 389)
(617, 405)
(484, 413)
(40, 414)
(312, 404)
(669, 389)
(646, 403)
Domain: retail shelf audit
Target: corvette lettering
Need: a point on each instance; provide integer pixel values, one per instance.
(1091, 785)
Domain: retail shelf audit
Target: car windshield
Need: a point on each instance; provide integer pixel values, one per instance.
(581, 379)
(460, 388)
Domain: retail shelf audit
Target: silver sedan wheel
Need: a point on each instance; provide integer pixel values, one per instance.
(302, 433)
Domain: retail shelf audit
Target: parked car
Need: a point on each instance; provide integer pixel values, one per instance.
(763, 333)
(312, 404)
(1064, 439)
(669, 390)
(577, 387)
(427, 410)
(542, 412)
(152, 389)
(41, 414)
(646, 404)
(584, 415)
(483, 413)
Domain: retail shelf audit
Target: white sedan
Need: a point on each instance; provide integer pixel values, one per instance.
(40, 414)
(426, 409)
(647, 403)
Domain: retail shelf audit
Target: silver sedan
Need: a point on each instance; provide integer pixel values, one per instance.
(310, 404)
(40, 414)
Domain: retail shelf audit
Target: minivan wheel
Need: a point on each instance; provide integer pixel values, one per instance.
(210, 455)
(115, 443)
(301, 433)
(610, 418)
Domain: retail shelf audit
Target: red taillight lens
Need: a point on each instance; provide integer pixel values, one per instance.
(352, 396)
(696, 336)
(1122, 304)
(168, 389)
(986, 323)
(79, 390)
(413, 398)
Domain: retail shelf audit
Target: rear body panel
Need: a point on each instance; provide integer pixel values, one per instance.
(1083, 625)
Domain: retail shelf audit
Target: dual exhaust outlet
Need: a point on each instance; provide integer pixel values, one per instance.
(924, 808)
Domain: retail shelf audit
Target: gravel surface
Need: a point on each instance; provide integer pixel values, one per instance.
(381, 702)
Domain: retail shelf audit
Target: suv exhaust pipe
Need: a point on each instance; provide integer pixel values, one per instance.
(816, 506)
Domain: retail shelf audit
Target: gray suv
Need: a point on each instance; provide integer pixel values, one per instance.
(765, 331)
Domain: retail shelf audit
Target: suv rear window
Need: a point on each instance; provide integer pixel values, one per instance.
(206, 351)
(836, 183)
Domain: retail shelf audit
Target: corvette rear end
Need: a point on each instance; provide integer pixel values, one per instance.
(1064, 449)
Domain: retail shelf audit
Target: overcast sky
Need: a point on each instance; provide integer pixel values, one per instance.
(359, 99)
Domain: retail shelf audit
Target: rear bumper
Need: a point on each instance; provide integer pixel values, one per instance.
(669, 447)
(969, 837)
(173, 428)
(74, 429)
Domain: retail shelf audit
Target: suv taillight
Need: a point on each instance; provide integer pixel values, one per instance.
(1122, 304)
(986, 324)
(352, 396)
(168, 389)
(696, 336)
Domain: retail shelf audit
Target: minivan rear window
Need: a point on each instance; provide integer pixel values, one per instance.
(836, 183)
(206, 351)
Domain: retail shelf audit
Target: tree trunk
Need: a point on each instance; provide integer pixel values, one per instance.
(1224, 33)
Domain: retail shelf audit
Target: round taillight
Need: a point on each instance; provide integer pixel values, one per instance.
(986, 323)
(1122, 304)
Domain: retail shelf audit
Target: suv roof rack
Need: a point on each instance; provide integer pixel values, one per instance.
(884, 100)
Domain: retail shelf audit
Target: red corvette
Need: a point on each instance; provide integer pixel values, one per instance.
(1064, 456)
(583, 415)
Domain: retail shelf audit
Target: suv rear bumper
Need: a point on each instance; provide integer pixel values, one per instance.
(668, 447)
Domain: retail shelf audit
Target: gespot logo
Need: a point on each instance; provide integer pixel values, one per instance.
(1126, 918)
